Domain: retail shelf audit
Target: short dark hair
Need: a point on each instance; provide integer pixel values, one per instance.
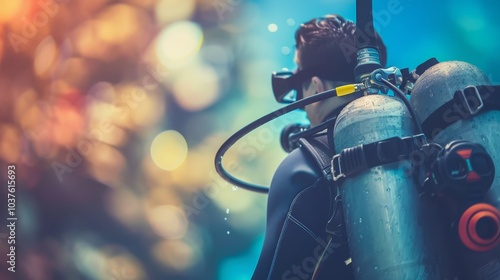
(330, 42)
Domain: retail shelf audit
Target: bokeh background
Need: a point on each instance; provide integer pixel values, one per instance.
(112, 112)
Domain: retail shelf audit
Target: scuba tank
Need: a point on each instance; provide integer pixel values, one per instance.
(393, 232)
(455, 101)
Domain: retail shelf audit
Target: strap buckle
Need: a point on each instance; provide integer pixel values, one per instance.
(468, 91)
(336, 162)
(360, 157)
(419, 140)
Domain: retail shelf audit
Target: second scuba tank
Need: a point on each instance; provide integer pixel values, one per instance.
(393, 232)
(450, 99)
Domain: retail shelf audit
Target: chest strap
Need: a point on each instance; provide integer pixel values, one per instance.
(351, 161)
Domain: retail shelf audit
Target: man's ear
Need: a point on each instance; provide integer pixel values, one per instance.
(319, 85)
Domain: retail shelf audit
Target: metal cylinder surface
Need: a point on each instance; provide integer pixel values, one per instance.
(393, 232)
(435, 87)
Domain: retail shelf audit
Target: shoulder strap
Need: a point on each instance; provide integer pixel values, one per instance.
(320, 149)
(321, 152)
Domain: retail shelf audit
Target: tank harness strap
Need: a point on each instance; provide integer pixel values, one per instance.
(319, 148)
(351, 161)
(465, 104)
(322, 154)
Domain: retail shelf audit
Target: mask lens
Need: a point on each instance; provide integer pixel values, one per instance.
(290, 97)
(283, 87)
(287, 86)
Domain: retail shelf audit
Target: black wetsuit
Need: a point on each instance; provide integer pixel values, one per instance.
(300, 202)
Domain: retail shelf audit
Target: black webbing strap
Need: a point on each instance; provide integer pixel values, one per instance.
(465, 104)
(322, 154)
(319, 148)
(353, 160)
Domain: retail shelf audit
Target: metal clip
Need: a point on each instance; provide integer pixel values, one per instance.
(420, 140)
(466, 103)
(337, 177)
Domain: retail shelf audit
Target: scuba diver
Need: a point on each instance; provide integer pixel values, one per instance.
(380, 186)
(300, 200)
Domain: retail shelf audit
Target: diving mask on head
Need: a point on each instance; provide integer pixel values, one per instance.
(287, 85)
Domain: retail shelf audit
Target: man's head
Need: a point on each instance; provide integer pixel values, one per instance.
(326, 51)
(330, 42)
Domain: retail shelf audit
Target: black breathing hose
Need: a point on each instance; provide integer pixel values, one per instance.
(410, 108)
(277, 113)
(255, 124)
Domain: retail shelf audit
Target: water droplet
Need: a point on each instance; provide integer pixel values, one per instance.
(388, 189)
(360, 220)
(483, 138)
(227, 211)
(235, 188)
(225, 218)
(228, 232)
(376, 267)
